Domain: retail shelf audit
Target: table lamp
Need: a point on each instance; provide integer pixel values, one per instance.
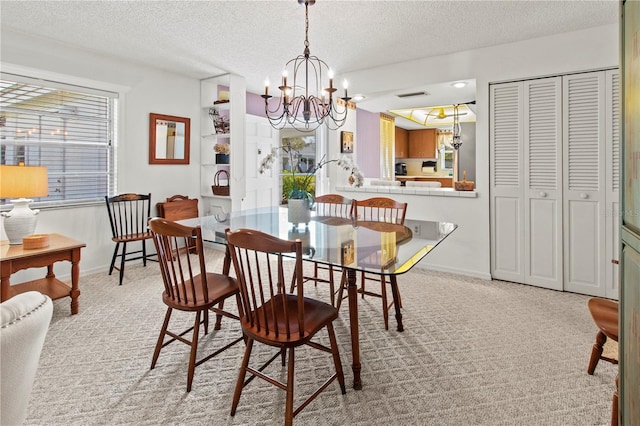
(20, 182)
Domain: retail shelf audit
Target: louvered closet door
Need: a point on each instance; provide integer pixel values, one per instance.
(584, 183)
(543, 182)
(612, 195)
(507, 182)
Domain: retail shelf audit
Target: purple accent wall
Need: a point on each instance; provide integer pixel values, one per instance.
(367, 140)
(255, 105)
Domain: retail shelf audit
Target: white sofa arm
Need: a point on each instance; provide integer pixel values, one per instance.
(24, 321)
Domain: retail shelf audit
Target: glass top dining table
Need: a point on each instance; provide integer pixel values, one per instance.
(356, 246)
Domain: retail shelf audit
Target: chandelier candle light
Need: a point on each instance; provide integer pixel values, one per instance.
(308, 102)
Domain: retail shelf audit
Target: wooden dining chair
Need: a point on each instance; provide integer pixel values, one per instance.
(128, 216)
(270, 315)
(386, 210)
(188, 287)
(330, 207)
(605, 314)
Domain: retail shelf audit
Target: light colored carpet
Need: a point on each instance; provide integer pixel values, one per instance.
(473, 352)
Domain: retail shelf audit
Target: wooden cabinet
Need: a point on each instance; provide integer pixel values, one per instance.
(422, 143)
(402, 143)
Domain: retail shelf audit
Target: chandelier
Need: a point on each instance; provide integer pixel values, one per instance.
(308, 101)
(456, 130)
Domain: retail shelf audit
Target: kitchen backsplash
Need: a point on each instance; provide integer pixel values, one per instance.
(414, 168)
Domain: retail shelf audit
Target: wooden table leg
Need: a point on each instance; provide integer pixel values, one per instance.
(4, 280)
(352, 292)
(75, 278)
(396, 301)
(226, 267)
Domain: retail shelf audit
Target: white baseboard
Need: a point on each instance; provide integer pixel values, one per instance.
(465, 272)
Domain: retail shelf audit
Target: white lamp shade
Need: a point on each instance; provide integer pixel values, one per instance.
(23, 181)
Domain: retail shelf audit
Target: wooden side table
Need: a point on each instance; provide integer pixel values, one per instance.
(14, 258)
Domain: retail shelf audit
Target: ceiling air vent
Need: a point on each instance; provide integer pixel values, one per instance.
(409, 95)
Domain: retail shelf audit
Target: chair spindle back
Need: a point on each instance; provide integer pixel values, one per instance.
(334, 205)
(129, 214)
(183, 277)
(264, 275)
(380, 209)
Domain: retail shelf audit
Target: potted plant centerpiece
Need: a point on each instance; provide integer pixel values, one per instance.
(222, 153)
(299, 185)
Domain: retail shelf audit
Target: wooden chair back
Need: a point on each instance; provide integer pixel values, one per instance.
(264, 275)
(380, 209)
(185, 278)
(128, 215)
(334, 205)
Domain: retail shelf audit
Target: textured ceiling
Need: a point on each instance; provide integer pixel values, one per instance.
(255, 38)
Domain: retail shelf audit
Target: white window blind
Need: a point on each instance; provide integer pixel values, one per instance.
(69, 129)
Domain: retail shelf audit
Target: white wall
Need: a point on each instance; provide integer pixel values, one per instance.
(143, 90)
(468, 249)
(147, 90)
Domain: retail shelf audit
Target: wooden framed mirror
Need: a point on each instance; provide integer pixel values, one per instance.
(168, 139)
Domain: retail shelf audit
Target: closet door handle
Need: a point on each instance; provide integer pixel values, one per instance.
(543, 194)
(584, 195)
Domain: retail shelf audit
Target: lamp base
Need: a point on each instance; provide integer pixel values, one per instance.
(21, 221)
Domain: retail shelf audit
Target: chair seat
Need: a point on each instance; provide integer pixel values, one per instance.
(316, 315)
(132, 237)
(605, 314)
(219, 287)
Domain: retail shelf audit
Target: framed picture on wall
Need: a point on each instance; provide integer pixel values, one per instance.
(346, 142)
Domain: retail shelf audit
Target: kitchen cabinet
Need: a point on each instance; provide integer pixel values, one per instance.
(402, 143)
(422, 143)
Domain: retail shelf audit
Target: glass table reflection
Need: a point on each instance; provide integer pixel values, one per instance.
(372, 247)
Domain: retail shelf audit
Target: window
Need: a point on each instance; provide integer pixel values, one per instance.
(445, 150)
(69, 129)
(299, 165)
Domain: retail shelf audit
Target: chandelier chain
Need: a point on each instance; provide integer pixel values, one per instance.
(306, 26)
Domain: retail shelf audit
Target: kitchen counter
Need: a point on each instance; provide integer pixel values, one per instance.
(445, 181)
(464, 252)
(413, 190)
